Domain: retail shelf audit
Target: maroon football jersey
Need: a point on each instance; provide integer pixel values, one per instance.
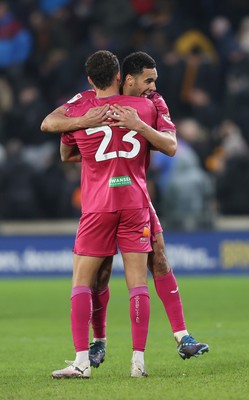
(113, 159)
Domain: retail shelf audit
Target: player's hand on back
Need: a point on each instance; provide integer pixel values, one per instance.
(96, 116)
(124, 116)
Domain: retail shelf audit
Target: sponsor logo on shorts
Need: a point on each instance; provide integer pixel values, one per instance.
(146, 234)
(116, 181)
(146, 231)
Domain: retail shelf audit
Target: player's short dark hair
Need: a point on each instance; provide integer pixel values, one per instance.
(102, 67)
(135, 63)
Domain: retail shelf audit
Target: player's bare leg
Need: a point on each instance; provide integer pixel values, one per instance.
(104, 274)
(168, 291)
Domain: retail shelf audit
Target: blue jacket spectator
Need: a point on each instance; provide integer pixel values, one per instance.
(15, 40)
(50, 6)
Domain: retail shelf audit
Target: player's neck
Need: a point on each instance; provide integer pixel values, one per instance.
(127, 90)
(108, 92)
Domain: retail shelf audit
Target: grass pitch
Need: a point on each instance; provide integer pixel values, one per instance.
(36, 338)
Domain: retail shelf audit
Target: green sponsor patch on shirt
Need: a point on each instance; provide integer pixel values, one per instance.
(120, 181)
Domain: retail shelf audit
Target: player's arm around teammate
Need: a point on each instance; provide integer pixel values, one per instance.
(128, 117)
(58, 121)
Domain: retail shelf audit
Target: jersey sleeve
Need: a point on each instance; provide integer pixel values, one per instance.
(164, 122)
(80, 97)
(68, 139)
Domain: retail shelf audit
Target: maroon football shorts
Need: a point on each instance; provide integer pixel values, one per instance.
(99, 234)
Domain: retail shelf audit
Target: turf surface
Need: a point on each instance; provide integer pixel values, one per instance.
(36, 338)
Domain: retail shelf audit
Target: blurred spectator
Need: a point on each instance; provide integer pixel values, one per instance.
(142, 7)
(243, 35)
(51, 6)
(199, 82)
(118, 22)
(157, 30)
(185, 190)
(6, 106)
(229, 163)
(15, 39)
(232, 186)
(236, 93)
(54, 189)
(26, 115)
(18, 198)
(2, 155)
(232, 140)
(57, 56)
(229, 143)
(198, 137)
(224, 38)
(191, 83)
(193, 39)
(72, 204)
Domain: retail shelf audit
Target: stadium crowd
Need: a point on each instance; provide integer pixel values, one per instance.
(202, 52)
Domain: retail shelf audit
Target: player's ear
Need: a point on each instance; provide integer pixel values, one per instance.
(129, 79)
(90, 81)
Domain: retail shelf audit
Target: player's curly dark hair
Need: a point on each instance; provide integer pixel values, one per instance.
(102, 67)
(135, 63)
